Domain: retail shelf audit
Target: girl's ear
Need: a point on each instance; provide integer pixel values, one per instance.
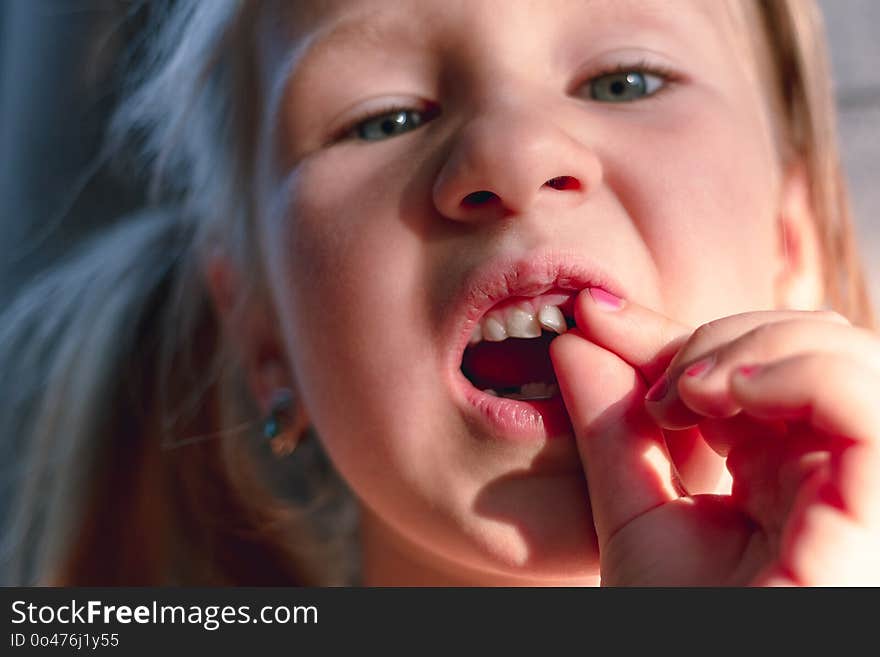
(799, 280)
(249, 325)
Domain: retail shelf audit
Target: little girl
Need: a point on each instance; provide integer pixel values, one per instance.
(566, 294)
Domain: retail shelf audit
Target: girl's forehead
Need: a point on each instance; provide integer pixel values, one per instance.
(306, 15)
(317, 27)
(303, 45)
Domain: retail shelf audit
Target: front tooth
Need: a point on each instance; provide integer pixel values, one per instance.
(493, 330)
(522, 324)
(552, 319)
(477, 335)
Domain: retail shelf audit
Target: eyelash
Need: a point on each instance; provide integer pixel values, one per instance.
(348, 130)
(668, 76)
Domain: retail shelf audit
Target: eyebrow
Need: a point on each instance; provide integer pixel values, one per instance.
(361, 32)
(356, 32)
(368, 31)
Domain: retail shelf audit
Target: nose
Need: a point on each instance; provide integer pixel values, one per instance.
(504, 162)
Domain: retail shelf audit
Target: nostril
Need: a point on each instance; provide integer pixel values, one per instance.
(478, 198)
(564, 182)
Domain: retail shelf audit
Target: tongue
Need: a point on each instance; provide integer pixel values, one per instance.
(510, 363)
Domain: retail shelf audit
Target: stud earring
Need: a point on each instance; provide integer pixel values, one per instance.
(279, 428)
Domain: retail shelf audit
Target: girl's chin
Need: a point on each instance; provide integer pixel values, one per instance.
(535, 528)
(482, 551)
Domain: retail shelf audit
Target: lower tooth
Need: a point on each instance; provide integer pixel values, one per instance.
(534, 391)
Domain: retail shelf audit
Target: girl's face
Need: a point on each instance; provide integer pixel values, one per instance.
(514, 163)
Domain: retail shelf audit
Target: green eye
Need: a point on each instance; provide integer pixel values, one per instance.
(388, 124)
(624, 86)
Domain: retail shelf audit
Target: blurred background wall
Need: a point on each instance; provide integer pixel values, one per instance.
(58, 79)
(59, 74)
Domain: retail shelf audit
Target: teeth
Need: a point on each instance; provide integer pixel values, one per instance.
(534, 391)
(494, 330)
(518, 322)
(522, 324)
(489, 391)
(552, 319)
(477, 335)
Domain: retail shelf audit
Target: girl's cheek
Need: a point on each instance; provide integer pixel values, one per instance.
(710, 221)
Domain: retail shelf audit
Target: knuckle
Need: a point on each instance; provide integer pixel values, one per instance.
(702, 340)
(765, 335)
(705, 332)
(762, 341)
(832, 316)
(820, 366)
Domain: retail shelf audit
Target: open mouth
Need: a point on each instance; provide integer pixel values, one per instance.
(508, 353)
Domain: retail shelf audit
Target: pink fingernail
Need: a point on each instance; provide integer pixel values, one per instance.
(701, 367)
(658, 390)
(605, 300)
(748, 370)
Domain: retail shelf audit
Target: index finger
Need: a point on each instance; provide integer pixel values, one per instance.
(649, 342)
(660, 348)
(644, 338)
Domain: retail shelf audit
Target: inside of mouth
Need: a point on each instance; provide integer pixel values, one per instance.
(516, 368)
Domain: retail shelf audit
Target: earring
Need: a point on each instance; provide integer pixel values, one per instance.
(279, 429)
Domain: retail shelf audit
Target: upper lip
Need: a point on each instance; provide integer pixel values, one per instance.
(510, 276)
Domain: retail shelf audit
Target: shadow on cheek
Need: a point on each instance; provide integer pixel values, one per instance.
(551, 514)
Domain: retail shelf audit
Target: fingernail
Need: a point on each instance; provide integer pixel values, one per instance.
(701, 367)
(747, 370)
(605, 300)
(658, 390)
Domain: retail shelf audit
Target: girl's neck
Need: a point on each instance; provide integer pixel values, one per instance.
(390, 560)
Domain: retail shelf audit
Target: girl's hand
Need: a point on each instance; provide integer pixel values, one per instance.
(791, 398)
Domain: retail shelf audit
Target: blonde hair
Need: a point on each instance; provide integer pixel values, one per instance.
(115, 355)
(137, 433)
(803, 78)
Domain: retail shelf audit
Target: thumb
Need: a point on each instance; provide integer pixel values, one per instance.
(625, 460)
(644, 338)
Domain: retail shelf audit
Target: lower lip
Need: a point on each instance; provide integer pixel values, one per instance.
(516, 420)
